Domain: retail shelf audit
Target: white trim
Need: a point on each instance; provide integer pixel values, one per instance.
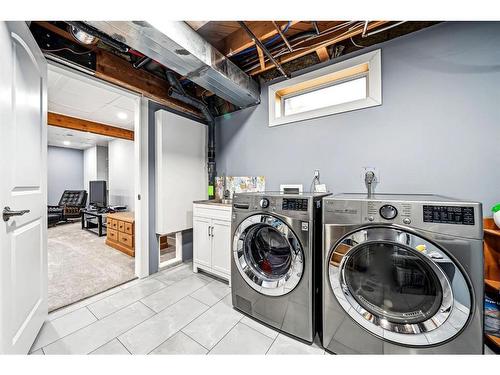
(141, 213)
(374, 94)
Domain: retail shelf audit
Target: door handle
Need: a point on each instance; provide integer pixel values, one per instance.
(212, 231)
(209, 230)
(7, 213)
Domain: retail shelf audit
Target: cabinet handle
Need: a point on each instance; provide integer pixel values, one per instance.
(209, 230)
(212, 231)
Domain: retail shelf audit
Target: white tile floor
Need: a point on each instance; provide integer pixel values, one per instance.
(172, 312)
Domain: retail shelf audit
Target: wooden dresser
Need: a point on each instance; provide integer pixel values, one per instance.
(120, 232)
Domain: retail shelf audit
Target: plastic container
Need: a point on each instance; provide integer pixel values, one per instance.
(496, 214)
(492, 311)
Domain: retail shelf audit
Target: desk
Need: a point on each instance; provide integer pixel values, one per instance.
(94, 222)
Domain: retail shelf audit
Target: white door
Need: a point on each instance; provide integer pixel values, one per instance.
(23, 159)
(202, 241)
(221, 246)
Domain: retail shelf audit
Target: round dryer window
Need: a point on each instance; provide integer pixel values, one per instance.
(399, 286)
(268, 255)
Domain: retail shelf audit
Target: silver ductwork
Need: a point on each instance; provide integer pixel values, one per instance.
(178, 47)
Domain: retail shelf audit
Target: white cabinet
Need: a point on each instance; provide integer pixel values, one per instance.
(212, 239)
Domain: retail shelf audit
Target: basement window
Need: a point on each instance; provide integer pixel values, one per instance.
(348, 85)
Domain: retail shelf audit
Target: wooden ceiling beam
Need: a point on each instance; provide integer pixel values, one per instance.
(114, 69)
(322, 54)
(239, 40)
(73, 123)
(261, 58)
(196, 25)
(321, 42)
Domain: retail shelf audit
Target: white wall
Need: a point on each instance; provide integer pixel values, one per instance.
(121, 173)
(89, 167)
(181, 170)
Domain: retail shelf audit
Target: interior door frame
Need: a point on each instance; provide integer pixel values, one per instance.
(141, 178)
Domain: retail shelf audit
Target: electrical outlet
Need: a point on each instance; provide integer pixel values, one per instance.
(374, 170)
(316, 173)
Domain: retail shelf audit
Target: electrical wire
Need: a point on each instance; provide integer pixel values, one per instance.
(65, 49)
(357, 45)
(270, 41)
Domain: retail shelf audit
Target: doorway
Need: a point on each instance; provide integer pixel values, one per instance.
(92, 186)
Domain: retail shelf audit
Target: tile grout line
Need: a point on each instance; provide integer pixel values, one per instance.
(120, 341)
(92, 313)
(83, 305)
(60, 338)
(99, 321)
(180, 329)
(267, 351)
(189, 295)
(263, 334)
(138, 300)
(124, 307)
(222, 338)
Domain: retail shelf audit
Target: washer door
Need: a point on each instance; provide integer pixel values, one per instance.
(268, 255)
(399, 286)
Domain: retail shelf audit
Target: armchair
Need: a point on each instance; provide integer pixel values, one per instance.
(69, 207)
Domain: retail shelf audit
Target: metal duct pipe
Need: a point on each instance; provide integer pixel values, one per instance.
(177, 92)
(177, 46)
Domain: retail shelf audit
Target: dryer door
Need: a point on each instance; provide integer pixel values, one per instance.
(399, 286)
(268, 255)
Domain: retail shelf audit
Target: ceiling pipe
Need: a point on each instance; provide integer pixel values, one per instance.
(365, 28)
(316, 28)
(285, 40)
(263, 48)
(174, 44)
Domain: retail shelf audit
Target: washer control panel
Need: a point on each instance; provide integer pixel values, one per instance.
(393, 212)
(294, 204)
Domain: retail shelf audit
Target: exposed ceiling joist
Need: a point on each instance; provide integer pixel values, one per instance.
(73, 123)
(321, 42)
(323, 54)
(196, 25)
(239, 40)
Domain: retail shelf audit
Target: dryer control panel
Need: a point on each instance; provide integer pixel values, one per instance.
(448, 214)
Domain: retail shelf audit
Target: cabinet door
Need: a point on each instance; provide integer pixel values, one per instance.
(221, 246)
(202, 242)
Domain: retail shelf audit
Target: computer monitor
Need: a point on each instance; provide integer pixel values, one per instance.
(98, 194)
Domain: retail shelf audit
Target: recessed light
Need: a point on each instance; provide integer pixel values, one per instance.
(122, 115)
(66, 143)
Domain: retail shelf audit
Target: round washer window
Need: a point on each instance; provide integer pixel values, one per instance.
(268, 254)
(398, 285)
(393, 282)
(268, 251)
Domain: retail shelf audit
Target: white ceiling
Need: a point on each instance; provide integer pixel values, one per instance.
(79, 140)
(79, 97)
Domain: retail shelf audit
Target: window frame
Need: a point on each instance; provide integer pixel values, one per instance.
(368, 65)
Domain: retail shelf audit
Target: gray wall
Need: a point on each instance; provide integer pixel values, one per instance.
(64, 172)
(437, 131)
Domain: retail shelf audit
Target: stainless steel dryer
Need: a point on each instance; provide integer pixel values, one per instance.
(276, 240)
(402, 274)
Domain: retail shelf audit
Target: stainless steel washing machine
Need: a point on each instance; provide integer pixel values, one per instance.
(276, 250)
(402, 274)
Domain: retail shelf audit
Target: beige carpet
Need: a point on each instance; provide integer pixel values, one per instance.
(81, 265)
